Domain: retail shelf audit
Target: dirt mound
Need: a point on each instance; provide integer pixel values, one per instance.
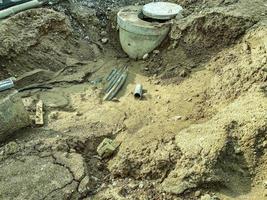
(45, 41)
(210, 29)
(238, 70)
(224, 150)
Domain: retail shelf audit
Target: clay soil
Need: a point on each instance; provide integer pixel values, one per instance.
(199, 132)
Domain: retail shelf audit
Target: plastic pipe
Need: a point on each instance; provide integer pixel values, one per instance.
(13, 115)
(15, 9)
(6, 84)
(138, 92)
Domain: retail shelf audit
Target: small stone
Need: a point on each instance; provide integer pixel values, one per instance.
(157, 82)
(141, 185)
(176, 118)
(106, 148)
(145, 56)
(83, 186)
(103, 33)
(133, 186)
(214, 197)
(197, 193)
(206, 197)
(185, 118)
(265, 184)
(264, 61)
(156, 52)
(174, 44)
(189, 99)
(104, 40)
(183, 73)
(79, 113)
(246, 48)
(114, 183)
(53, 116)
(11, 148)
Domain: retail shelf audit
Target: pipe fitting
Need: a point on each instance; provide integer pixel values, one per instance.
(138, 92)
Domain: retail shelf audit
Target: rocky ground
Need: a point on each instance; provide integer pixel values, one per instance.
(200, 132)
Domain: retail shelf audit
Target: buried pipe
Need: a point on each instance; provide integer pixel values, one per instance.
(7, 84)
(138, 92)
(15, 9)
(13, 114)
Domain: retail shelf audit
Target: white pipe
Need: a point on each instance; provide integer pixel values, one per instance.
(15, 9)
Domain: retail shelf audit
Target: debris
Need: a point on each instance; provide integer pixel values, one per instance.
(176, 118)
(141, 185)
(246, 48)
(104, 40)
(83, 186)
(264, 61)
(79, 113)
(183, 73)
(156, 52)
(197, 193)
(103, 33)
(206, 197)
(138, 92)
(39, 116)
(106, 148)
(7, 84)
(157, 82)
(145, 56)
(53, 116)
(11, 148)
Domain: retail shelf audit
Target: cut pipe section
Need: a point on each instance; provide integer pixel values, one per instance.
(138, 92)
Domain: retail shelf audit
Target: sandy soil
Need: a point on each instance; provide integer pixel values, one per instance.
(199, 132)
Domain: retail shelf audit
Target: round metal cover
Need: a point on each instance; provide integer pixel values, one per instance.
(161, 10)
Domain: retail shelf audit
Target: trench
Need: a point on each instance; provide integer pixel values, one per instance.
(145, 123)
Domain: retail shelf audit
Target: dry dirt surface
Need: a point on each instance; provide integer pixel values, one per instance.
(199, 132)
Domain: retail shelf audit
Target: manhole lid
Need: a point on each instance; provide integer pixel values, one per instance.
(161, 10)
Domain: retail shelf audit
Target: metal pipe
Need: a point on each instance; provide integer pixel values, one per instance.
(15, 9)
(115, 78)
(138, 92)
(115, 89)
(7, 84)
(111, 74)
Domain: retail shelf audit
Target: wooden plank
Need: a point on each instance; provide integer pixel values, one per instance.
(39, 116)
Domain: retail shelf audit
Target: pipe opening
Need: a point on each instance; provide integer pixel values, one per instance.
(147, 19)
(137, 96)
